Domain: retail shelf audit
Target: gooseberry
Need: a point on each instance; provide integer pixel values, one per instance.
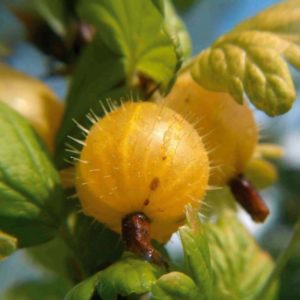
(228, 129)
(229, 132)
(142, 158)
(33, 100)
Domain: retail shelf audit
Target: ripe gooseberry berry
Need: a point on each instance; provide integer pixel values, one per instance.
(142, 163)
(229, 132)
(33, 100)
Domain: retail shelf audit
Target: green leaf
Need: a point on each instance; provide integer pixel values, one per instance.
(51, 289)
(177, 30)
(141, 42)
(240, 267)
(197, 253)
(125, 48)
(53, 256)
(96, 245)
(54, 12)
(175, 286)
(84, 290)
(31, 198)
(252, 59)
(130, 275)
(98, 76)
(184, 4)
(234, 267)
(8, 244)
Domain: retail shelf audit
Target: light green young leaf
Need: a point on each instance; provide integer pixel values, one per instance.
(252, 59)
(31, 198)
(239, 266)
(218, 200)
(8, 244)
(130, 275)
(84, 290)
(177, 30)
(197, 254)
(134, 31)
(281, 18)
(175, 286)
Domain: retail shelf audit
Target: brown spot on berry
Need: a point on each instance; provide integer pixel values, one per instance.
(154, 184)
(186, 100)
(146, 202)
(164, 157)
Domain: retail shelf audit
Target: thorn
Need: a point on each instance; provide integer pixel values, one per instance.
(91, 119)
(79, 160)
(106, 112)
(77, 140)
(93, 114)
(86, 131)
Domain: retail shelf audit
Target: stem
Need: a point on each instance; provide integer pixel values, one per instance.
(281, 261)
(137, 238)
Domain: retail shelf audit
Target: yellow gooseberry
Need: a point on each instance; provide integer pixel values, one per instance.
(230, 134)
(228, 129)
(142, 158)
(32, 99)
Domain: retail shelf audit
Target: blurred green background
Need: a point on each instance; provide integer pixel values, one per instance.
(206, 20)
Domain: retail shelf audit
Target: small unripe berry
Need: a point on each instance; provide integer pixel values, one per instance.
(142, 158)
(261, 172)
(33, 100)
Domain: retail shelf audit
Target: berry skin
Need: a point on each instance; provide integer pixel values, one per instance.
(228, 129)
(142, 158)
(33, 100)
